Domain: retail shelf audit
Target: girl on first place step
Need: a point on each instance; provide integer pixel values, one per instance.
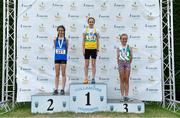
(90, 46)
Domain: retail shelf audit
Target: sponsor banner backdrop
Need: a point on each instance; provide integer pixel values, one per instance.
(36, 30)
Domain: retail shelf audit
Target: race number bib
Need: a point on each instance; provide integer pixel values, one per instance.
(60, 51)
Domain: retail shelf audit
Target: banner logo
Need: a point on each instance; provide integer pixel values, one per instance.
(25, 37)
(73, 70)
(151, 58)
(26, 5)
(73, 28)
(152, 90)
(139, 107)
(57, 17)
(25, 60)
(104, 69)
(36, 104)
(150, 37)
(119, 27)
(134, 48)
(55, 4)
(104, 28)
(134, 28)
(74, 98)
(119, 6)
(42, 69)
(27, 48)
(134, 6)
(104, 16)
(41, 6)
(73, 6)
(151, 79)
(88, 5)
(150, 17)
(135, 68)
(104, 6)
(25, 17)
(105, 38)
(135, 91)
(41, 89)
(73, 48)
(42, 79)
(111, 107)
(101, 98)
(64, 104)
(41, 28)
(41, 48)
(103, 48)
(150, 26)
(25, 80)
(119, 17)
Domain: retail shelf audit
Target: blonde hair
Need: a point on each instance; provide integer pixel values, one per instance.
(124, 34)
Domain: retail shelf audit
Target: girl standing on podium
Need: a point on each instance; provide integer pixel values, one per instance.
(124, 59)
(90, 46)
(61, 49)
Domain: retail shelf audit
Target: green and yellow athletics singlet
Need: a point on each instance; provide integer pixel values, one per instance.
(90, 41)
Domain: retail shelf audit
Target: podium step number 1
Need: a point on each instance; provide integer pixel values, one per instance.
(88, 98)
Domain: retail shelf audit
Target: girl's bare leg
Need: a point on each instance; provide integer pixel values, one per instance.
(86, 68)
(121, 72)
(63, 69)
(57, 72)
(126, 75)
(93, 68)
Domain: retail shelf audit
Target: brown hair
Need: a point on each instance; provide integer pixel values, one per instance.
(124, 34)
(90, 19)
(61, 26)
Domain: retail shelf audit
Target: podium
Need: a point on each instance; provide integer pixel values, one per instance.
(83, 98)
(88, 97)
(132, 106)
(49, 103)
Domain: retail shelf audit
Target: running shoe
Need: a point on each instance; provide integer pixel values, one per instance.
(126, 99)
(122, 99)
(55, 92)
(62, 92)
(85, 81)
(93, 81)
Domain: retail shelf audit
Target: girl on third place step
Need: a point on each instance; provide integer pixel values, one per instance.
(90, 46)
(124, 59)
(61, 49)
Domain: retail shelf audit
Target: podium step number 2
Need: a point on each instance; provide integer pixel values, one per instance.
(47, 103)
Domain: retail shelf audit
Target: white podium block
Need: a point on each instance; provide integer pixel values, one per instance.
(48, 103)
(88, 97)
(134, 106)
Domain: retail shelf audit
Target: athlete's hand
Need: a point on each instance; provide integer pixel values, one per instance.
(83, 51)
(97, 51)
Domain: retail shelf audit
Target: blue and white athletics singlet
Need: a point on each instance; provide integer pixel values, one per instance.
(61, 49)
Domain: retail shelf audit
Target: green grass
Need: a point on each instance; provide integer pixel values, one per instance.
(151, 110)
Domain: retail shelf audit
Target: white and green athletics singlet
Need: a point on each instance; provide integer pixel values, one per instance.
(124, 53)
